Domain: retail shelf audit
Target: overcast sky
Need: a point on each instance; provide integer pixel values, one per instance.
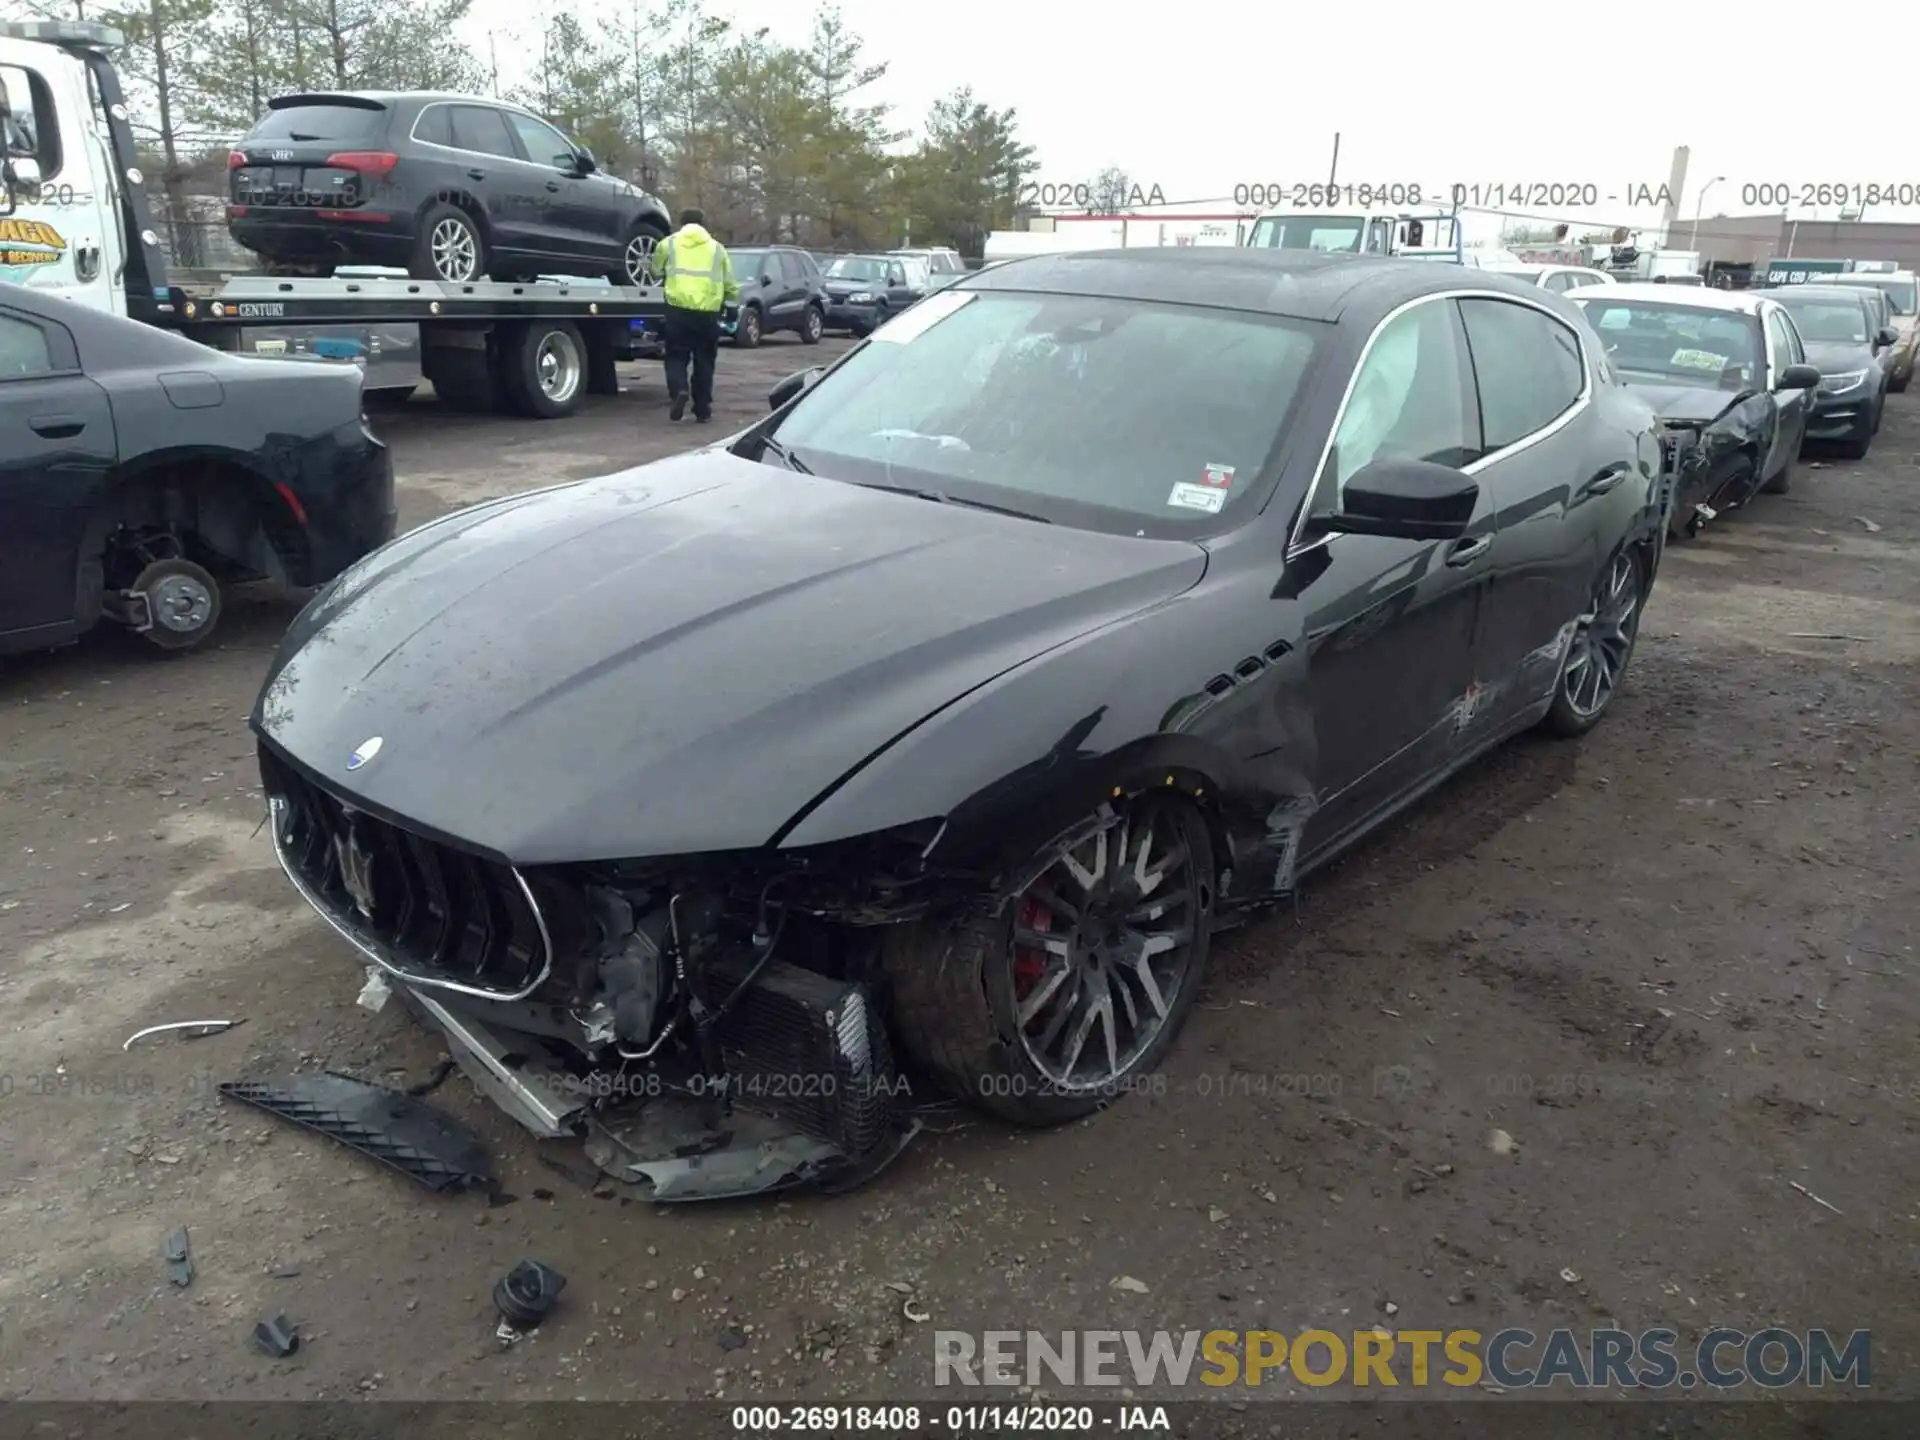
(1198, 100)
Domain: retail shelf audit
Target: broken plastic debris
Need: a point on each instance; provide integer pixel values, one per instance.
(1870, 527)
(375, 993)
(179, 1258)
(918, 1314)
(1127, 1282)
(526, 1293)
(1570, 1276)
(1501, 1143)
(277, 1337)
(198, 1028)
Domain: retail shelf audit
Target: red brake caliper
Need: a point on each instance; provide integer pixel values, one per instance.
(1029, 962)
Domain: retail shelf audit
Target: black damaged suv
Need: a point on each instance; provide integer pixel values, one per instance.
(448, 186)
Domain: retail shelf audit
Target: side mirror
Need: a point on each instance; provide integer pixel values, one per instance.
(1799, 377)
(766, 279)
(1888, 336)
(584, 162)
(793, 385)
(1408, 500)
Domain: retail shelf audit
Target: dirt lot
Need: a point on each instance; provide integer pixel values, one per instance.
(1673, 962)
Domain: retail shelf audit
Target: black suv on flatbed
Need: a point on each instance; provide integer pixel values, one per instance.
(780, 289)
(449, 186)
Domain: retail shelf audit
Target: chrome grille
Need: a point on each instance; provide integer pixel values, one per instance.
(431, 914)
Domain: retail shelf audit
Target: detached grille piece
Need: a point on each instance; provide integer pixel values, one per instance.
(429, 913)
(812, 1051)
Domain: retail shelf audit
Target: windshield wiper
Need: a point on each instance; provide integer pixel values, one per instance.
(785, 456)
(942, 498)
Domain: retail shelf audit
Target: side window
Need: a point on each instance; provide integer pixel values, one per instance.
(482, 131)
(544, 144)
(1559, 282)
(896, 274)
(435, 125)
(1409, 399)
(24, 351)
(32, 130)
(790, 266)
(1527, 366)
(1783, 340)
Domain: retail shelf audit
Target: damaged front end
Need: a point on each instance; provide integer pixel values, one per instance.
(709, 1025)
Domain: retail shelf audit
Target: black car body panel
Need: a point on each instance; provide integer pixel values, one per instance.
(134, 424)
(780, 573)
(864, 291)
(347, 178)
(512, 745)
(783, 284)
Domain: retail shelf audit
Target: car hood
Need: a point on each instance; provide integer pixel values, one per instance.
(1832, 357)
(1694, 404)
(675, 659)
(839, 287)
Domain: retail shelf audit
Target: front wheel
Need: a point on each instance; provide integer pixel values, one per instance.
(1602, 644)
(1047, 1006)
(747, 333)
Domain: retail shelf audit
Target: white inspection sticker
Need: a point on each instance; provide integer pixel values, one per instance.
(1198, 497)
(1699, 360)
(912, 323)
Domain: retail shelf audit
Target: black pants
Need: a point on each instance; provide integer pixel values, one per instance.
(692, 336)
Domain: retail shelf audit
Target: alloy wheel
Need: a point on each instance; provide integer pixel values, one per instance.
(639, 257)
(1103, 941)
(1602, 639)
(456, 254)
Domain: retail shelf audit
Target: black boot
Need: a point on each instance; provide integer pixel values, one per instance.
(678, 408)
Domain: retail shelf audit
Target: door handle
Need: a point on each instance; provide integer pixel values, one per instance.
(1605, 480)
(476, 174)
(553, 185)
(57, 427)
(1465, 552)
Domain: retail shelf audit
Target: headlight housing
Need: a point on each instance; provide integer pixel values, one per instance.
(861, 297)
(1838, 384)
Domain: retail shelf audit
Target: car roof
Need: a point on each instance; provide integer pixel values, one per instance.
(1830, 292)
(388, 98)
(1867, 277)
(1300, 284)
(1520, 267)
(1693, 297)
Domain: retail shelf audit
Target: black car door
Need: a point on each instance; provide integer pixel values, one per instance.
(790, 287)
(519, 205)
(899, 296)
(1390, 623)
(1549, 476)
(1796, 406)
(57, 447)
(583, 221)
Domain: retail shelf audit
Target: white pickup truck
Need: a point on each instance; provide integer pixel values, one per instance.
(74, 222)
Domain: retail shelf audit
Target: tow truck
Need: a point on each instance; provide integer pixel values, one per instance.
(1432, 236)
(84, 231)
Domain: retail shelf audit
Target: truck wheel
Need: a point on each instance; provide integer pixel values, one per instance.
(543, 365)
(638, 254)
(813, 327)
(182, 601)
(746, 334)
(464, 380)
(450, 246)
(1045, 1007)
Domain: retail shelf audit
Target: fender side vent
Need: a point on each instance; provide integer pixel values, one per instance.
(1219, 685)
(1249, 667)
(1277, 649)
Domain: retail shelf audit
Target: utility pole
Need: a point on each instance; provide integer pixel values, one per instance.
(1333, 169)
(493, 55)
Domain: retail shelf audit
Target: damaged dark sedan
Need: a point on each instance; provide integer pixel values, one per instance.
(924, 733)
(1728, 376)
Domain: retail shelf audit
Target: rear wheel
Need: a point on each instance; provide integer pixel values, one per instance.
(1602, 645)
(1047, 1006)
(813, 327)
(637, 254)
(543, 366)
(450, 246)
(182, 603)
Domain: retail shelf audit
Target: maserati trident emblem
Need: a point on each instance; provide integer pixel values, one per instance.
(369, 748)
(356, 871)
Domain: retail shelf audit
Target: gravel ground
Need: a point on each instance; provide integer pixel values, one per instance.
(1670, 962)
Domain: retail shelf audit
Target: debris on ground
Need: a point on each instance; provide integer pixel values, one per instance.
(195, 1030)
(277, 1337)
(398, 1130)
(1501, 1143)
(732, 1339)
(375, 993)
(1127, 1282)
(918, 1314)
(1868, 525)
(179, 1258)
(1813, 1197)
(526, 1294)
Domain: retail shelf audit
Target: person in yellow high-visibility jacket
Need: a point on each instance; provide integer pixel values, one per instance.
(699, 285)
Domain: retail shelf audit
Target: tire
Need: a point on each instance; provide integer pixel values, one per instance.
(814, 326)
(1899, 387)
(1619, 594)
(1782, 483)
(636, 253)
(543, 368)
(748, 333)
(1879, 413)
(1856, 446)
(958, 986)
(450, 247)
(183, 601)
(394, 397)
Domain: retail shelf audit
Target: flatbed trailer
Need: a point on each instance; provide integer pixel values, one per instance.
(89, 236)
